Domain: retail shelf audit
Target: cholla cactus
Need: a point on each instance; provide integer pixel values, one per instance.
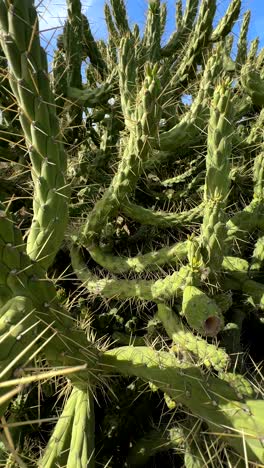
(154, 199)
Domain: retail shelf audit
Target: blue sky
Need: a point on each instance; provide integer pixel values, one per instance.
(53, 13)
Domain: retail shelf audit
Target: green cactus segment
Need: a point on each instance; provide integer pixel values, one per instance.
(241, 385)
(253, 51)
(127, 79)
(147, 145)
(260, 62)
(258, 182)
(236, 270)
(72, 35)
(258, 176)
(162, 289)
(178, 14)
(195, 259)
(120, 16)
(201, 312)
(198, 40)
(73, 43)
(253, 84)
(58, 447)
(90, 97)
(224, 301)
(153, 289)
(245, 222)
(258, 255)
(152, 34)
(241, 56)
(255, 136)
(34, 313)
(235, 265)
(193, 457)
(59, 81)
(189, 129)
(13, 327)
(90, 48)
(136, 152)
(207, 397)
(179, 38)
(8, 253)
(82, 437)
(217, 181)
(162, 219)
(122, 184)
(29, 81)
(163, 18)
(219, 142)
(207, 354)
(227, 21)
(112, 31)
(18, 274)
(17, 326)
(255, 291)
(195, 165)
(151, 261)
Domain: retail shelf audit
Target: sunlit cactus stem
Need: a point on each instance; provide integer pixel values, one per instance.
(242, 41)
(90, 48)
(152, 35)
(227, 21)
(184, 340)
(212, 399)
(217, 182)
(184, 26)
(198, 39)
(138, 145)
(72, 35)
(29, 81)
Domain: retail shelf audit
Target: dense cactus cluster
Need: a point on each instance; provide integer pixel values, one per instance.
(131, 240)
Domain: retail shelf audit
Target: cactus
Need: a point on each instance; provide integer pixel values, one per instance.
(183, 340)
(41, 128)
(153, 230)
(242, 41)
(161, 368)
(217, 182)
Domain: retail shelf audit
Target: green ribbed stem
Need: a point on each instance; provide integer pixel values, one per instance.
(30, 84)
(183, 340)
